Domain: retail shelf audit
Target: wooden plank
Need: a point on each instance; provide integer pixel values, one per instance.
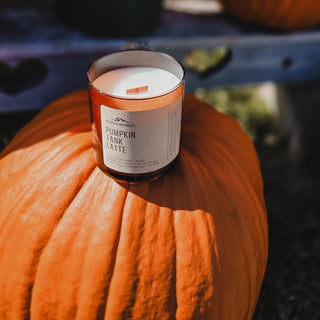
(33, 31)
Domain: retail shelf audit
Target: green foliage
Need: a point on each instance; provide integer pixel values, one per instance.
(244, 105)
(200, 60)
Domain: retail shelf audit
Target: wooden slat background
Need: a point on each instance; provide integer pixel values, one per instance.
(258, 55)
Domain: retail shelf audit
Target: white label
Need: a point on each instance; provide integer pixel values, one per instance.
(137, 142)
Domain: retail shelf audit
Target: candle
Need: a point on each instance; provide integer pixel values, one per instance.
(136, 102)
(136, 82)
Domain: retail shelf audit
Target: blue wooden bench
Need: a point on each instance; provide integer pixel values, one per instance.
(32, 31)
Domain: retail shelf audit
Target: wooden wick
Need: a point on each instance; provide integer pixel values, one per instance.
(137, 90)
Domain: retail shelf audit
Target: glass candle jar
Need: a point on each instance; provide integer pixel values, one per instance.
(136, 104)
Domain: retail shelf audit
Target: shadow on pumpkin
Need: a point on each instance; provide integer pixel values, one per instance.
(69, 116)
(65, 127)
(177, 189)
(184, 187)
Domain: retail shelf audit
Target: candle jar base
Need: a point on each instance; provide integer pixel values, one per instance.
(137, 178)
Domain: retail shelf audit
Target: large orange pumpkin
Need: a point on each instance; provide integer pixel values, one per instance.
(283, 14)
(76, 244)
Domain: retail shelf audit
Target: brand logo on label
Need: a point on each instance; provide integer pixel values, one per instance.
(119, 120)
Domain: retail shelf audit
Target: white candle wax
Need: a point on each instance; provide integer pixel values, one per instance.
(145, 82)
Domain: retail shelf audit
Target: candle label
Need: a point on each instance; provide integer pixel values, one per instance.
(136, 142)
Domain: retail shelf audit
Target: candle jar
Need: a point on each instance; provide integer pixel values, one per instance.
(136, 131)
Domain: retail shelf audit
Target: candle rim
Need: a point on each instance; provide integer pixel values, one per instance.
(137, 98)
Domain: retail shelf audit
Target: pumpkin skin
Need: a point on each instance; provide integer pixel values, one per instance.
(283, 14)
(76, 244)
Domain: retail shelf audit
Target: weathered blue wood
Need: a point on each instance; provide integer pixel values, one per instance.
(33, 31)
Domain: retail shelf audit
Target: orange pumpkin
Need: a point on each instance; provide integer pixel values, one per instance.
(283, 14)
(76, 244)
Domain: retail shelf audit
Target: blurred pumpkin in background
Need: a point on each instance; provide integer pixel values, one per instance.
(282, 14)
